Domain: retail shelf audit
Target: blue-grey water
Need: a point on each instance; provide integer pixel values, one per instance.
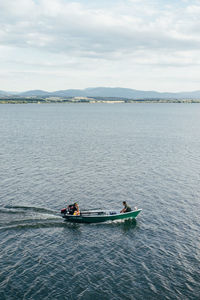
(100, 155)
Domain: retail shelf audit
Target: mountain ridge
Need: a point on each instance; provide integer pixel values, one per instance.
(117, 92)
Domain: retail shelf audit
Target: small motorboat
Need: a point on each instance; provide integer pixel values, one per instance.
(97, 216)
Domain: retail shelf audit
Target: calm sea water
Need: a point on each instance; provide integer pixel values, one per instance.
(100, 155)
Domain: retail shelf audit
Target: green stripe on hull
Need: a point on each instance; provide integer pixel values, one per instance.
(102, 218)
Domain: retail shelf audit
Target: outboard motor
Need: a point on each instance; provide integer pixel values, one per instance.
(63, 211)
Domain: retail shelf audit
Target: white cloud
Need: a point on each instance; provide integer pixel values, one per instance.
(126, 35)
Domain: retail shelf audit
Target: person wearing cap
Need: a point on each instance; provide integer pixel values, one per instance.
(126, 208)
(76, 210)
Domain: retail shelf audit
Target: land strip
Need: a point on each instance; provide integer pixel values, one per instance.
(110, 100)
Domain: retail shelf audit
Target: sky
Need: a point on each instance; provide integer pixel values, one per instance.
(139, 44)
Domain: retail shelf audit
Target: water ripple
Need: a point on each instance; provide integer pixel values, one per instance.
(99, 155)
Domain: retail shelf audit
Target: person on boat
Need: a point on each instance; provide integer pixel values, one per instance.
(70, 209)
(73, 209)
(126, 208)
(76, 210)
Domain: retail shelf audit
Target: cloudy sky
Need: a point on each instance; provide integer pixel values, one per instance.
(61, 44)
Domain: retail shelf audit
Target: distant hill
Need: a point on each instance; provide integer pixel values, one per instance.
(123, 93)
(3, 93)
(34, 93)
(106, 92)
(69, 93)
(112, 92)
(195, 94)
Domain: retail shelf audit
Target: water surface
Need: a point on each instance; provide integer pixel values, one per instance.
(99, 155)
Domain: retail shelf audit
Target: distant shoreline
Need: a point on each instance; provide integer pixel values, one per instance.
(75, 100)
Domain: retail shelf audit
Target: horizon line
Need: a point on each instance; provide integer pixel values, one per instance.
(96, 87)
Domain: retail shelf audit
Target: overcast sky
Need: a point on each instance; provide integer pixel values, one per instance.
(61, 44)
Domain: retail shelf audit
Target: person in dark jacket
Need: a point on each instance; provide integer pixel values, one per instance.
(73, 209)
(126, 208)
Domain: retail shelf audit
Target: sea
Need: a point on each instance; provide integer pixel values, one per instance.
(99, 155)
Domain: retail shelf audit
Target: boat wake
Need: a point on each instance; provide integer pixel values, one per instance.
(25, 217)
(18, 208)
